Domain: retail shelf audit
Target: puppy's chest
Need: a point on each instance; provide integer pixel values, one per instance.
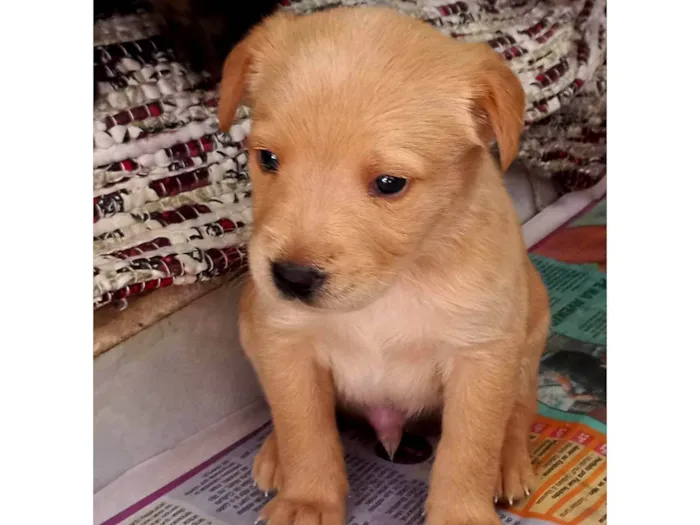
(386, 359)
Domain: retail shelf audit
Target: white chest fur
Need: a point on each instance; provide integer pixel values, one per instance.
(394, 353)
(370, 373)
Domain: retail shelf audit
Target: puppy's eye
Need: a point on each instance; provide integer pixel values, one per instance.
(268, 161)
(389, 185)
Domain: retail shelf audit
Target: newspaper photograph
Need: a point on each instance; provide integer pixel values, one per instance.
(568, 438)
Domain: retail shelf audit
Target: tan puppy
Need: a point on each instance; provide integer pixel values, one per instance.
(388, 269)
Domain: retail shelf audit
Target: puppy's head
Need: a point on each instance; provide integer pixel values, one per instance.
(368, 127)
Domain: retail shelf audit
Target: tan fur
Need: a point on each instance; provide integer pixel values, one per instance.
(431, 302)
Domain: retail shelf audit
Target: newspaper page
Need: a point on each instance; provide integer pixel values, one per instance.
(568, 441)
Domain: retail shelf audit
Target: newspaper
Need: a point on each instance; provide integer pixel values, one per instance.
(568, 438)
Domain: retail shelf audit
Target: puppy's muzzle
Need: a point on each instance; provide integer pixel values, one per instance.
(297, 281)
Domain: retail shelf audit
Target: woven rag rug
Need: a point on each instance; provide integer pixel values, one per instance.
(171, 192)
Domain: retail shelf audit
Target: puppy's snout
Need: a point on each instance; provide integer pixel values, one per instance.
(297, 281)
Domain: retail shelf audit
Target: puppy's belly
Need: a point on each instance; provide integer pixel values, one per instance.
(374, 380)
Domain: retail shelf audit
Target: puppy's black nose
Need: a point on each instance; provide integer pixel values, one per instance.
(295, 280)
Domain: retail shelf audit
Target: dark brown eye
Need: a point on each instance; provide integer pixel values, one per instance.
(389, 185)
(268, 161)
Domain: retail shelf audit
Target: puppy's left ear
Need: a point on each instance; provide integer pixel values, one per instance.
(499, 96)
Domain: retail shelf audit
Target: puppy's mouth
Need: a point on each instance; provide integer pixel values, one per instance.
(311, 286)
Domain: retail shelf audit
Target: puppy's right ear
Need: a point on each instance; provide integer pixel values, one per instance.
(244, 61)
(233, 81)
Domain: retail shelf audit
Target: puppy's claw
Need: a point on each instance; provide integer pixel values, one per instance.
(390, 446)
(495, 500)
(510, 501)
(260, 521)
(527, 491)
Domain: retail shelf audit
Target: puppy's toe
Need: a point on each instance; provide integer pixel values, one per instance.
(517, 479)
(281, 511)
(498, 493)
(267, 473)
(475, 515)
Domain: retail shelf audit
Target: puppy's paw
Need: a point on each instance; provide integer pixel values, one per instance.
(282, 511)
(321, 502)
(267, 473)
(516, 479)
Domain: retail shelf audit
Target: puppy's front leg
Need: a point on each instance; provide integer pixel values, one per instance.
(301, 397)
(479, 396)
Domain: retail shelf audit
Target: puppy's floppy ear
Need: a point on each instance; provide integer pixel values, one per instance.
(233, 81)
(498, 94)
(243, 62)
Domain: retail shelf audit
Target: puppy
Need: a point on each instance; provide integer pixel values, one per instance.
(388, 271)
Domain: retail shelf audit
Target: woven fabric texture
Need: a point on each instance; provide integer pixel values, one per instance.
(171, 193)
